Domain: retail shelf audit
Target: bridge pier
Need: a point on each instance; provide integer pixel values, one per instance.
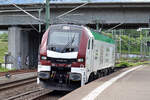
(18, 47)
(23, 46)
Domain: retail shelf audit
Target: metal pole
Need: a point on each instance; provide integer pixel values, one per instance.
(129, 46)
(40, 22)
(116, 40)
(115, 44)
(146, 43)
(97, 25)
(47, 7)
(141, 43)
(149, 51)
(112, 34)
(120, 42)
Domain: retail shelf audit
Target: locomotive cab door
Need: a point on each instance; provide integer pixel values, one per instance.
(89, 55)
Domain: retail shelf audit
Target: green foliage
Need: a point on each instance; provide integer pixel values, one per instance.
(139, 63)
(129, 43)
(133, 62)
(3, 49)
(4, 37)
(3, 46)
(123, 64)
(3, 69)
(130, 40)
(132, 32)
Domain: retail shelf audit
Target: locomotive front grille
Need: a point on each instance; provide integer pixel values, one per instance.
(62, 69)
(61, 61)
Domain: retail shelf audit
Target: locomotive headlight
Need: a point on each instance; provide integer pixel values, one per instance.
(80, 60)
(75, 76)
(43, 57)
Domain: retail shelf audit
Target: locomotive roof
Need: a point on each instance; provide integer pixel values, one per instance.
(101, 37)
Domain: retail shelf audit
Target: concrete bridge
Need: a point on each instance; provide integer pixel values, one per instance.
(130, 14)
(24, 37)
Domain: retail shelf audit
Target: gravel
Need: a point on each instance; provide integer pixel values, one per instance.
(13, 72)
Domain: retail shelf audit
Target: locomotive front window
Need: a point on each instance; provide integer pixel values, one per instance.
(63, 38)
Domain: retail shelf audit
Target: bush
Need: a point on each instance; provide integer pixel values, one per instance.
(3, 69)
(123, 64)
(3, 49)
(4, 37)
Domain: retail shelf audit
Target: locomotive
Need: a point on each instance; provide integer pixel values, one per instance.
(73, 55)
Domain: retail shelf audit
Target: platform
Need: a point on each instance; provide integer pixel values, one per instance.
(134, 85)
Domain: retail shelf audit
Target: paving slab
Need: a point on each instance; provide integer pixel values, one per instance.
(133, 86)
(79, 93)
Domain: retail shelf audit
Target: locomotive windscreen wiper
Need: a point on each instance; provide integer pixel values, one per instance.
(69, 43)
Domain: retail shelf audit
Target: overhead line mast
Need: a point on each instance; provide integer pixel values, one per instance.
(47, 7)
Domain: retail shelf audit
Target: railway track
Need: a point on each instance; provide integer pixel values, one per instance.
(30, 80)
(36, 93)
(11, 89)
(9, 85)
(25, 89)
(30, 95)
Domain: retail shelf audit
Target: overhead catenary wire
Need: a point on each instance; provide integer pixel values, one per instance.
(72, 10)
(26, 12)
(58, 17)
(114, 27)
(34, 28)
(42, 20)
(39, 20)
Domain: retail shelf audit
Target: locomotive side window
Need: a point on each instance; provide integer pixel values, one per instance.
(89, 44)
(92, 43)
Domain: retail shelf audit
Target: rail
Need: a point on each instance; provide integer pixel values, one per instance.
(31, 95)
(13, 84)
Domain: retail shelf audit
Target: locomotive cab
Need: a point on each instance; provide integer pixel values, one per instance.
(61, 65)
(72, 55)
